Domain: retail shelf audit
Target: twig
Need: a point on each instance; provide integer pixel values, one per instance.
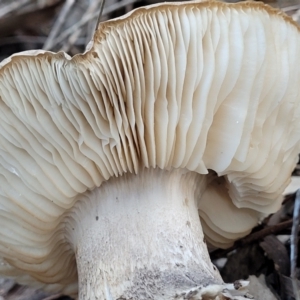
(289, 8)
(86, 19)
(59, 22)
(117, 6)
(71, 40)
(102, 3)
(294, 245)
(91, 24)
(264, 232)
(253, 237)
(76, 34)
(12, 6)
(96, 6)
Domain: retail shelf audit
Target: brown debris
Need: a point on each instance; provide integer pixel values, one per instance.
(267, 251)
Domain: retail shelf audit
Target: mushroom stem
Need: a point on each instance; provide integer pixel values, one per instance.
(140, 237)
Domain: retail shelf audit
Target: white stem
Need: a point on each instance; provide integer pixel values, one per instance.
(140, 237)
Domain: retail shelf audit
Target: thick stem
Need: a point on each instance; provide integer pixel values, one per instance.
(139, 237)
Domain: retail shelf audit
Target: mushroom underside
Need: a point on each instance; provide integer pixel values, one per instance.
(197, 87)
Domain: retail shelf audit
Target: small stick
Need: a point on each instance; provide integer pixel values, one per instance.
(76, 34)
(254, 237)
(59, 22)
(102, 3)
(289, 8)
(12, 6)
(86, 19)
(90, 27)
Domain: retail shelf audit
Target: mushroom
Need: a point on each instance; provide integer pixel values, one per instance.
(108, 158)
(293, 186)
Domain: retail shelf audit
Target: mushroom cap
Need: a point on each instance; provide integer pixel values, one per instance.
(201, 86)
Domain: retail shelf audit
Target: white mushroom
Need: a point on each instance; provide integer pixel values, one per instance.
(108, 158)
(293, 186)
